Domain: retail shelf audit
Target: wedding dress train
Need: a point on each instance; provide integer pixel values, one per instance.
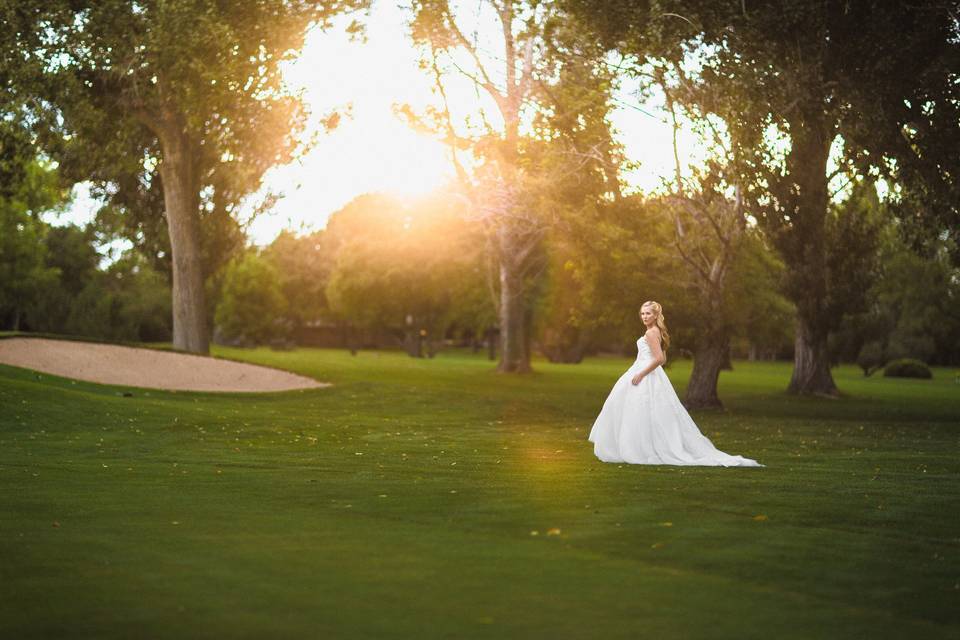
(646, 424)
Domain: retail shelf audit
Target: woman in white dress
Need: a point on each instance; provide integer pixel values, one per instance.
(642, 420)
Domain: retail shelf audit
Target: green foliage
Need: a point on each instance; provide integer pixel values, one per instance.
(755, 300)
(129, 301)
(913, 306)
(24, 270)
(71, 252)
(907, 368)
(410, 268)
(252, 305)
(303, 265)
(604, 263)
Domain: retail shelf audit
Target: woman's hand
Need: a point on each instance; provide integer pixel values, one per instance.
(637, 378)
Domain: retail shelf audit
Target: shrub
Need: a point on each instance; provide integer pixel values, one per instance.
(870, 357)
(907, 368)
(251, 304)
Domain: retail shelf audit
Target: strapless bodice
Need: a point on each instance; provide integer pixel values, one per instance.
(643, 350)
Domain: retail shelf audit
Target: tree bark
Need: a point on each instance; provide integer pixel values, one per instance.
(709, 358)
(804, 248)
(514, 356)
(811, 363)
(181, 201)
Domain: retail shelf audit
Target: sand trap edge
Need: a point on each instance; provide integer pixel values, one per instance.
(144, 367)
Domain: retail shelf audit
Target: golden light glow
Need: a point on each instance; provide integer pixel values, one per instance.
(371, 149)
(374, 150)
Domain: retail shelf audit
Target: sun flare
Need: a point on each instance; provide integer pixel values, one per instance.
(372, 149)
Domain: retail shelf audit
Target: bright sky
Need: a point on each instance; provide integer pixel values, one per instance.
(374, 150)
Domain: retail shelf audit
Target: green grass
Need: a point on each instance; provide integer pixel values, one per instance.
(401, 503)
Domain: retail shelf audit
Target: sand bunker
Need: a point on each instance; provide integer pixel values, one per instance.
(149, 368)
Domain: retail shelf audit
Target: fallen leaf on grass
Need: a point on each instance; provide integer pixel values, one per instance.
(760, 518)
(553, 532)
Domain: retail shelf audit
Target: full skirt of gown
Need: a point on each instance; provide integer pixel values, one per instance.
(647, 424)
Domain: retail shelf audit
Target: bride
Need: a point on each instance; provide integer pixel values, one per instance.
(642, 420)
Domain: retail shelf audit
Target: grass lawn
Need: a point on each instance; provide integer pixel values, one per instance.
(438, 499)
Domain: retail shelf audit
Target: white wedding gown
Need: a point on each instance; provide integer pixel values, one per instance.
(646, 424)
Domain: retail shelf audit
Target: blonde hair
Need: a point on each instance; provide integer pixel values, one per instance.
(660, 322)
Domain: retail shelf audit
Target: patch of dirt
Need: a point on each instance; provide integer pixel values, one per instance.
(147, 368)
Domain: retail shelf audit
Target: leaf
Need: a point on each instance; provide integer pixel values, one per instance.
(760, 518)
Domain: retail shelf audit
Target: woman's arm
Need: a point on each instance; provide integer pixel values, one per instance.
(652, 336)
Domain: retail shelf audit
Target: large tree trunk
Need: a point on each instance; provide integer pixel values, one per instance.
(804, 248)
(181, 201)
(709, 357)
(514, 355)
(811, 363)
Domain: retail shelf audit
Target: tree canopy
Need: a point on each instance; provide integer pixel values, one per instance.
(171, 106)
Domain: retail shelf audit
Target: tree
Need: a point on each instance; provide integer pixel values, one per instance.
(303, 265)
(514, 230)
(29, 188)
(183, 94)
(411, 268)
(509, 57)
(580, 151)
(252, 305)
(71, 251)
(129, 301)
(912, 310)
(709, 212)
(875, 82)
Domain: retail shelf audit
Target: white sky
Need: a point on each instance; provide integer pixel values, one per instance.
(374, 150)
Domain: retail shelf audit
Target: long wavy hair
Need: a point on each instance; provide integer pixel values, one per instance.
(660, 322)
